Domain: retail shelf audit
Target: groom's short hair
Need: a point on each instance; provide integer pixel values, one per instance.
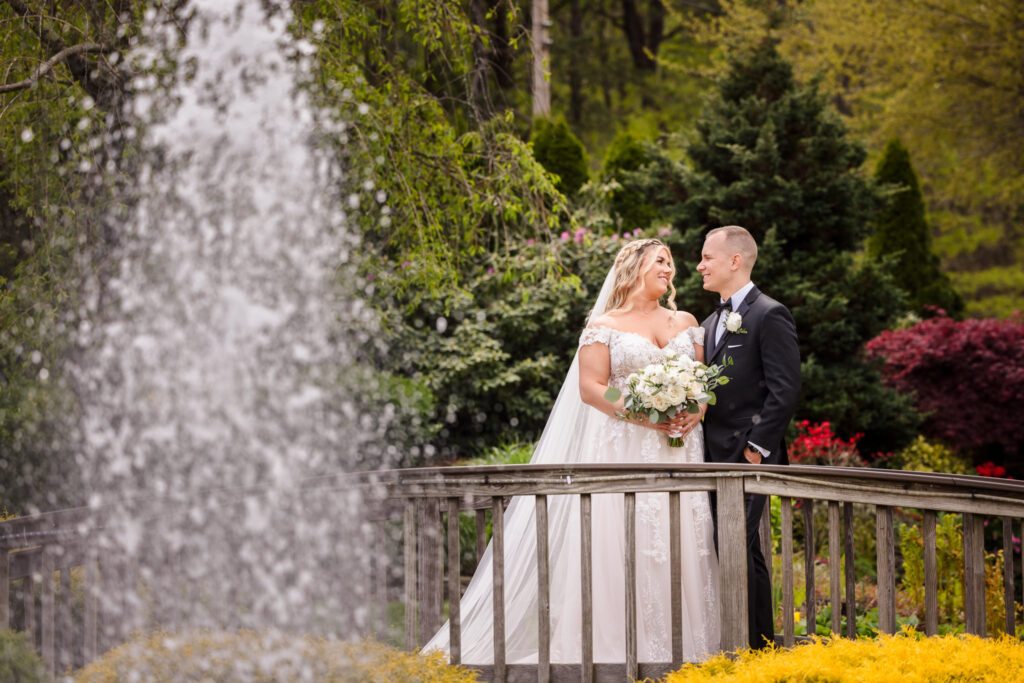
(740, 241)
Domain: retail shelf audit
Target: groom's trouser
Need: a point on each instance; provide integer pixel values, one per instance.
(760, 625)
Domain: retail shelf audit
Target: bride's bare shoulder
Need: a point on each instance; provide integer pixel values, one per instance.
(604, 320)
(684, 319)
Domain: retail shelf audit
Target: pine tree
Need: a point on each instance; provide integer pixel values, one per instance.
(771, 156)
(623, 160)
(902, 232)
(561, 153)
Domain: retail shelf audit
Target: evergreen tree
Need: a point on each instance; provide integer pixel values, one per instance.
(902, 232)
(771, 156)
(561, 153)
(623, 160)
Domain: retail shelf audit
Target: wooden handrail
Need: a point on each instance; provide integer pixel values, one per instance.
(55, 542)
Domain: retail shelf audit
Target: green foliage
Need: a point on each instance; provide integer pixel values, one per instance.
(495, 355)
(902, 233)
(19, 662)
(624, 157)
(930, 456)
(431, 189)
(944, 78)
(560, 153)
(771, 156)
(513, 452)
(949, 561)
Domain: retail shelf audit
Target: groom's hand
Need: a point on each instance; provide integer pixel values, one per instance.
(752, 456)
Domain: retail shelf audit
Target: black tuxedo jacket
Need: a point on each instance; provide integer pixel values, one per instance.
(764, 382)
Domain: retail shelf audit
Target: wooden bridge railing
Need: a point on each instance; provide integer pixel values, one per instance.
(426, 493)
(39, 553)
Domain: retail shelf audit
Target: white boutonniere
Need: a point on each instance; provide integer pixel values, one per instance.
(734, 323)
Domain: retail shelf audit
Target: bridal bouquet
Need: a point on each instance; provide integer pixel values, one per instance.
(661, 391)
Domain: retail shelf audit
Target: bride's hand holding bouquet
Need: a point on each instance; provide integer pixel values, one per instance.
(660, 392)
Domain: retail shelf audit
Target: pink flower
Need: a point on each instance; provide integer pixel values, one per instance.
(615, 237)
(565, 236)
(637, 232)
(531, 241)
(490, 271)
(664, 230)
(578, 236)
(406, 264)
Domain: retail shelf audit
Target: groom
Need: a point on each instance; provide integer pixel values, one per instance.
(748, 422)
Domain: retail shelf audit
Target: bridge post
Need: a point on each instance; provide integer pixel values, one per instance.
(732, 559)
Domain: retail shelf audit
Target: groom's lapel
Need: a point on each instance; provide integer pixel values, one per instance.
(744, 306)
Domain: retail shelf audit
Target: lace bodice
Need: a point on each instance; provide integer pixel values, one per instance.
(631, 351)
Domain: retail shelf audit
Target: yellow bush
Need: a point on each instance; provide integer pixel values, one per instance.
(252, 656)
(907, 657)
(928, 456)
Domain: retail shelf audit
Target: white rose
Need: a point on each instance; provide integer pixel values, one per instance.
(660, 402)
(734, 322)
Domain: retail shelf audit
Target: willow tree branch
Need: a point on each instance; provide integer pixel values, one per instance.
(50, 63)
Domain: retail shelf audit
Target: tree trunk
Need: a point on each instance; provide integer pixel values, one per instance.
(478, 85)
(541, 43)
(501, 52)
(637, 35)
(574, 74)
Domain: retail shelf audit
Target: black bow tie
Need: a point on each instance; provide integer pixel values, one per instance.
(724, 306)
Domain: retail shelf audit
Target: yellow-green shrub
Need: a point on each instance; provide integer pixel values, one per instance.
(907, 657)
(252, 656)
(927, 456)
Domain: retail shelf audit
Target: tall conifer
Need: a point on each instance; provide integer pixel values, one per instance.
(771, 155)
(902, 232)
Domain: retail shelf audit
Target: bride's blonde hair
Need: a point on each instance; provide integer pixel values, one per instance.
(628, 274)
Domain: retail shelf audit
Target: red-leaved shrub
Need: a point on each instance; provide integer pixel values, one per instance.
(967, 378)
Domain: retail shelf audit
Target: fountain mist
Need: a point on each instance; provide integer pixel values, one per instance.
(212, 377)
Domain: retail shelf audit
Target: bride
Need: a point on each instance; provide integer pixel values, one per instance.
(628, 329)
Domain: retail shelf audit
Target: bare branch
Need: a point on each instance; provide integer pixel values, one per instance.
(53, 61)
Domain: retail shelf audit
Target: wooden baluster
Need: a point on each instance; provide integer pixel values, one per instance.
(429, 614)
(28, 601)
(47, 613)
(629, 514)
(5, 586)
(1008, 587)
(886, 567)
(810, 554)
(454, 592)
(732, 558)
(675, 571)
(64, 624)
(586, 590)
(543, 593)
(481, 534)
(974, 574)
(498, 580)
(91, 580)
(788, 627)
(931, 576)
(380, 580)
(409, 527)
(851, 578)
(835, 573)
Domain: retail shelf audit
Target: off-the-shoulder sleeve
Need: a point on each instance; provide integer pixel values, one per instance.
(595, 335)
(697, 334)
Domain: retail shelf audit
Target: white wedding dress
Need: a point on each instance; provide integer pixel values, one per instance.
(577, 433)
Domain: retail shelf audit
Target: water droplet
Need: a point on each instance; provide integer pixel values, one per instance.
(27, 135)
